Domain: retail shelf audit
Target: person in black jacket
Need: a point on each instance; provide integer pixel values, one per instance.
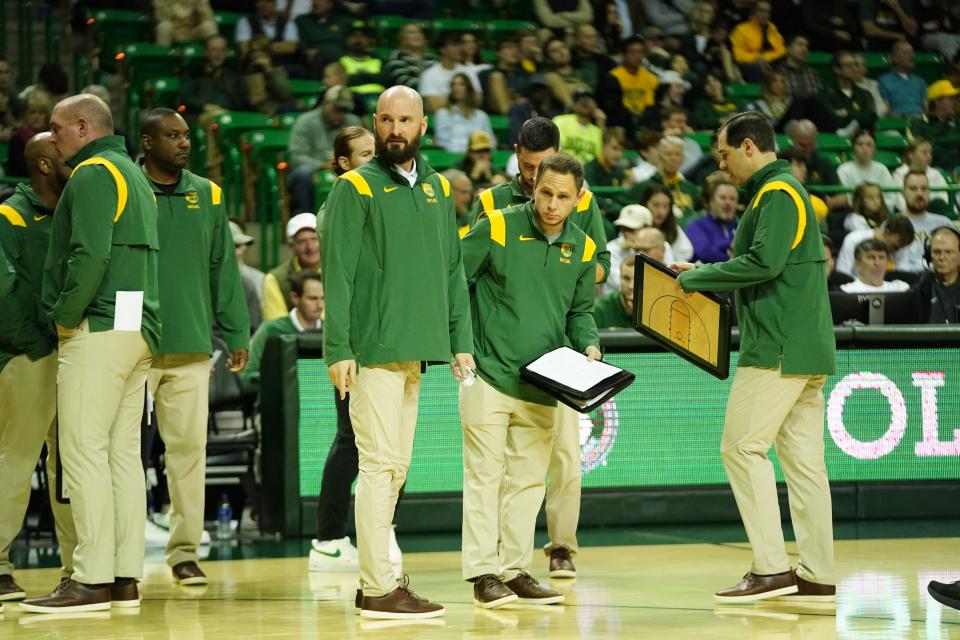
(938, 292)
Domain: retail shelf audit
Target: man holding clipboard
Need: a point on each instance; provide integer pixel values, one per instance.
(787, 349)
(531, 277)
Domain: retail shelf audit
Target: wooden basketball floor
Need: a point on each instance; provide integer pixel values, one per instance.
(648, 591)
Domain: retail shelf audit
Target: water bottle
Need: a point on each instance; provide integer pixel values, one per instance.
(224, 516)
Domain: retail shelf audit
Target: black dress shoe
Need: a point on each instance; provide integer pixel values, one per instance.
(946, 593)
(188, 574)
(70, 597)
(561, 563)
(10, 590)
(489, 592)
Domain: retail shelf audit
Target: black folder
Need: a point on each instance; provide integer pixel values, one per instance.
(582, 400)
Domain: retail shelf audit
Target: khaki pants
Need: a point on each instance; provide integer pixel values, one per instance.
(563, 482)
(766, 407)
(506, 449)
(383, 409)
(28, 416)
(101, 384)
(180, 385)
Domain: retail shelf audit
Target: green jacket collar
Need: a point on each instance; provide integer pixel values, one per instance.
(765, 173)
(98, 146)
(27, 192)
(516, 190)
(567, 235)
(185, 184)
(424, 170)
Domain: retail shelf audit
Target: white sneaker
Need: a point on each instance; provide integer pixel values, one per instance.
(396, 556)
(333, 555)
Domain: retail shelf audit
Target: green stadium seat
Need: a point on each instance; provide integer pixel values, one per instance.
(889, 159)
(305, 92)
(744, 91)
(890, 141)
(702, 138)
(501, 128)
(455, 24)
(190, 53)
(227, 24)
(112, 29)
(442, 160)
(831, 142)
(141, 61)
(498, 30)
(834, 158)
(263, 150)
(783, 141)
(228, 129)
(161, 92)
(287, 120)
(889, 123)
(500, 157)
(928, 66)
(386, 28)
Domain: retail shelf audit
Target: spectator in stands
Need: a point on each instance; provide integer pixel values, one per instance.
(615, 309)
(774, 101)
(637, 83)
(903, 90)
(563, 15)
(659, 200)
(251, 277)
(104, 94)
(937, 27)
(507, 82)
(589, 60)
(539, 102)
(322, 34)
(267, 84)
(869, 85)
(560, 73)
(36, 118)
(918, 156)
(335, 75)
(712, 106)
(531, 53)
(940, 126)
(834, 277)
(820, 170)
(916, 195)
(616, 21)
(12, 107)
(306, 313)
(581, 132)
(885, 22)
(802, 80)
(311, 142)
(51, 80)
(410, 59)
(364, 71)
(673, 122)
(864, 169)
(938, 291)
(895, 235)
(608, 168)
(473, 60)
(280, 31)
(462, 188)
(828, 24)
(669, 16)
(757, 43)
(435, 81)
(670, 94)
(712, 234)
(870, 259)
(478, 164)
(635, 234)
(183, 20)
(798, 167)
(869, 209)
(684, 195)
(455, 122)
(213, 86)
(648, 160)
(303, 239)
(852, 107)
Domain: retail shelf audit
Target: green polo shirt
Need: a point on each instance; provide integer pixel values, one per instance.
(777, 272)
(609, 312)
(199, 277)
(587, 215)
(104, 240)
(25, 225)
(527, 295)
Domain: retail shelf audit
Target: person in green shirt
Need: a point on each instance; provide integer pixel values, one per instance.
(199, 285)
(101, 290)
(615, 310)
(579, 135)
(787, 350)
(396, 302)
(531, 289)
(28, 357)
(941, 126)
(684, 194)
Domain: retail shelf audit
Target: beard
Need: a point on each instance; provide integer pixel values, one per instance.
(398, 156)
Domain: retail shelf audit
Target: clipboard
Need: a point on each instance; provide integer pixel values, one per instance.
(696, 328)
(583, 400)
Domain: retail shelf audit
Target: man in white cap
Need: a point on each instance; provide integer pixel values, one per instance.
(303, 239)
(631, 222)
(251, 276)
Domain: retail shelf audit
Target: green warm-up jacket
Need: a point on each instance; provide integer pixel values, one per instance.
(526, 295)
(393, 274)
(104, 240)
(777, 272)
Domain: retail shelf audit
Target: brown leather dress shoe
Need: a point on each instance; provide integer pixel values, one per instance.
(561, 564)
(490, 592)
(70, 597)
(530, 591)
(10, 590)
(754, 587)
(400, 604)
(188, 573)
(124, 593)
(811, 592)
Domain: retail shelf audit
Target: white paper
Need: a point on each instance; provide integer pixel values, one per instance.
(216, 358)
(572, 369)
(128, 311)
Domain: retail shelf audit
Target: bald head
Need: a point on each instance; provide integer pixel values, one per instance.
(400, 100)
(399, 124)
(44, 167)
(88, 107)
(77, 121)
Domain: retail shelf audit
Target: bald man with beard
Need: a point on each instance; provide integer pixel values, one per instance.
(100, 290)
(396, 301)
(28, 358)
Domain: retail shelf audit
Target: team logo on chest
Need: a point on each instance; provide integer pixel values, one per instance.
(566, 252)
(430, 193)
(193, 200)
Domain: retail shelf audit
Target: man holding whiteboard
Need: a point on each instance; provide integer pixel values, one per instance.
(787, 350)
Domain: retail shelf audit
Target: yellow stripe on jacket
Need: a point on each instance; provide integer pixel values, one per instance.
(117, 177)
(779, 185)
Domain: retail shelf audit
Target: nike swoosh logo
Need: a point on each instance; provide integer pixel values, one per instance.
(38, 218)
(389, 189)
(329, 555)
(523, 237)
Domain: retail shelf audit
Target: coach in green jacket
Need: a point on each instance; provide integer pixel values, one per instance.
(199, 285)
(396, 300)
(787, 350)
(100, 288)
